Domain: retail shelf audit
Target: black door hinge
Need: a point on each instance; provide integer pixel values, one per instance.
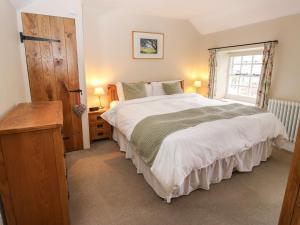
(31, 38)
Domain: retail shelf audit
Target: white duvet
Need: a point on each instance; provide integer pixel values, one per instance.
(196, 147)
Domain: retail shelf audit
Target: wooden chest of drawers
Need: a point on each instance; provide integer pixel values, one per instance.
(33, 186)
(99, 128)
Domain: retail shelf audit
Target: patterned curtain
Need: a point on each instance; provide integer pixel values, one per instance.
(212, 73)
(266, 75)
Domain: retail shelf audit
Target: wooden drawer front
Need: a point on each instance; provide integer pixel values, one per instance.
(100, 124)
(95, 118)
(99, 133)
(5, 193)
(36, 195)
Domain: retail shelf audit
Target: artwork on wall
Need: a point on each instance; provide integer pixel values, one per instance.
(147, 45)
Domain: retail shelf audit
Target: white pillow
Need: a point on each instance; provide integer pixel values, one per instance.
(157, 88)
(148, 88)
(113, 104)
(120, 91)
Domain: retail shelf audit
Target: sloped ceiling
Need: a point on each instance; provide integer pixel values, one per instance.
(19, 4)
(207, 16)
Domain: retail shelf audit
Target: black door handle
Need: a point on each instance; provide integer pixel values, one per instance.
(77, 91)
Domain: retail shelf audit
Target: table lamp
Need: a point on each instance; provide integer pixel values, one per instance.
(98, 91)
(197, 85)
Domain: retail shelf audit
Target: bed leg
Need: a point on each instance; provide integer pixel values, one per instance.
(168, 199)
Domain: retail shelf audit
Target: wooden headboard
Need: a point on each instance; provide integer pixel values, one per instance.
(113, 96)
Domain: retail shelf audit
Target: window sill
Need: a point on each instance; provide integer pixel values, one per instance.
(235, 101)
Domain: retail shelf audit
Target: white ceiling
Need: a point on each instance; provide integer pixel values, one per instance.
(21, 3)
(208, 16)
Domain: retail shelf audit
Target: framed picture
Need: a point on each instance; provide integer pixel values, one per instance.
(147, 45)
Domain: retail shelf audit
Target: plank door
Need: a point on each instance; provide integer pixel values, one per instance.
(290, 212)
(53, 69)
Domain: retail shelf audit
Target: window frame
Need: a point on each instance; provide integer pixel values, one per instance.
(247, 99)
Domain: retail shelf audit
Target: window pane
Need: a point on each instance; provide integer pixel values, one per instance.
(256, 70)
(244, 91)
(257, 59)
(254, 82)
(233, 90)
(244, 75)
(246, 69)
(233, 80)
(247, 59)
(237, 60)
(253, 92)
(236, 69)
(244, 81)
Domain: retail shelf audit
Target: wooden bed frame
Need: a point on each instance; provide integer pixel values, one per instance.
(112, 91)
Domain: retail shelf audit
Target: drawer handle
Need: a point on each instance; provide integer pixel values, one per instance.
(100, 134)
(99, 118)
(99, 125)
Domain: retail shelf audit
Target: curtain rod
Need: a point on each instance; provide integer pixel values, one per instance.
(232, 46)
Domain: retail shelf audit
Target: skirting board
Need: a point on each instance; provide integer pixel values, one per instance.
(289, 146)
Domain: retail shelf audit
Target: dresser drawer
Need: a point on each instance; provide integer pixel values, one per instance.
(95, 117)
(99, 124)
(99, 133)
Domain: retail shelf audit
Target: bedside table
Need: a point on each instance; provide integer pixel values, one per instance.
(99, 128)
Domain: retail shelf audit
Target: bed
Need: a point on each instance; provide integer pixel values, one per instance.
(186, 154)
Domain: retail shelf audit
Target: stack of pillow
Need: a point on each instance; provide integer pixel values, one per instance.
(128, 91)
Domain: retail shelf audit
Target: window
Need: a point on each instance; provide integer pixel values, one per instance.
(244, 76)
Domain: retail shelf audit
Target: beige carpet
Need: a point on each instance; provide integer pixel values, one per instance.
(106, 190)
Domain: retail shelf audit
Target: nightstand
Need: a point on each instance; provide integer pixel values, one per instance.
(99, 128)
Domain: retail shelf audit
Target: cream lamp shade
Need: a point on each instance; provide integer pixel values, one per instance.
(197, 83)
(98, 91)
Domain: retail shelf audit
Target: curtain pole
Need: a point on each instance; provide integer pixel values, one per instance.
(232, 46)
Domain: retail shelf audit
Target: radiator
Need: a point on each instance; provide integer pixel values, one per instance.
(288, 113)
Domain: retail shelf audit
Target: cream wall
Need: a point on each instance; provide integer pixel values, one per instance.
(286, 79)
(12, 84)
(108, 49)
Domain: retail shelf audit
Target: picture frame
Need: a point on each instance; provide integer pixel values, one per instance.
(147, 45)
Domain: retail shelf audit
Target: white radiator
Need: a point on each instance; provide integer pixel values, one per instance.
(288, 113)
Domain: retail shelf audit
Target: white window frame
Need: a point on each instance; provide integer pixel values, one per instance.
(251, 100)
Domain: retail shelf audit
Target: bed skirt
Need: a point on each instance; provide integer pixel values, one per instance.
(202, 178)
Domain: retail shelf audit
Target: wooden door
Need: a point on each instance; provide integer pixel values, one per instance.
(290, 212)
(53, 69)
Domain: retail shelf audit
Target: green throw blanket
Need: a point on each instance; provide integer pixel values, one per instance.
(149, 133)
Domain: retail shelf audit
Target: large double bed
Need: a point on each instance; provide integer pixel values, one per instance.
(183, 142)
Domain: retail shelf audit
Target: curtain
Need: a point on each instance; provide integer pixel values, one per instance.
(212, 73)
(266, 75)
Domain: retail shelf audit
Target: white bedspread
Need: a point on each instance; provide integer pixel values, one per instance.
(196, 147)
